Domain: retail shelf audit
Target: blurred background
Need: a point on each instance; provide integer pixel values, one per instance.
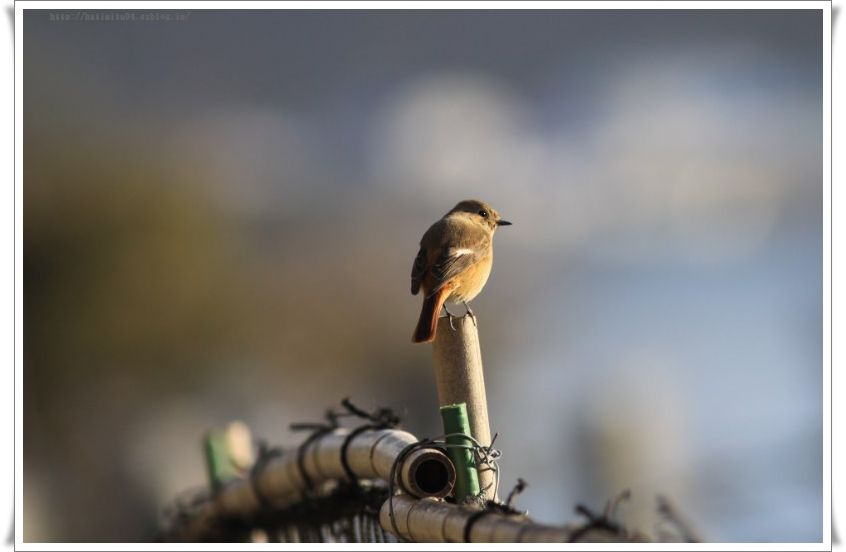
(221, 211)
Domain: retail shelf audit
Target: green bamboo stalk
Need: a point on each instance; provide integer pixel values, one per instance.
(219, 465)
(455, 420)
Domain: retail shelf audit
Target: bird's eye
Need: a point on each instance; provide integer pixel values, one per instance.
(483, 213)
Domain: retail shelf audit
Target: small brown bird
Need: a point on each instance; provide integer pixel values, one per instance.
(454, 262)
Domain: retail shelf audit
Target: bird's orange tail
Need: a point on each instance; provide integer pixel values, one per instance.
(428, 323)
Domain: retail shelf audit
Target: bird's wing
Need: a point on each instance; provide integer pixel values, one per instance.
(453, 261)
(418, 271)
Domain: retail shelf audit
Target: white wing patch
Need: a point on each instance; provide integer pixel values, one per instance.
(458, 252)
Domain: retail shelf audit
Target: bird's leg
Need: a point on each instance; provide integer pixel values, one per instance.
(470, 312)
(450, 316)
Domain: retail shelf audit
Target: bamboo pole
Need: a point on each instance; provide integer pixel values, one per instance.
(370, 455)
(460, 379)
(228, 452)
(219, 465)
(432, 520)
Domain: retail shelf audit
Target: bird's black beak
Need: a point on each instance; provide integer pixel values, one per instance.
(503, 223)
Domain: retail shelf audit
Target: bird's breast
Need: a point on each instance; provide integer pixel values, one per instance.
(471, 281)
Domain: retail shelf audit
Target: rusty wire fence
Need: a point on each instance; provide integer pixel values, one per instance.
(366, 482)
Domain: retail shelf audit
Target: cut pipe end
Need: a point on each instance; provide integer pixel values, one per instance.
(427, 473)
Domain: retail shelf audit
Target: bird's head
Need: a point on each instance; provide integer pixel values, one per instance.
(480, 212)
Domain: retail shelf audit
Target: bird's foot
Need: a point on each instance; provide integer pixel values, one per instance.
(471, 313)
(451, 317)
